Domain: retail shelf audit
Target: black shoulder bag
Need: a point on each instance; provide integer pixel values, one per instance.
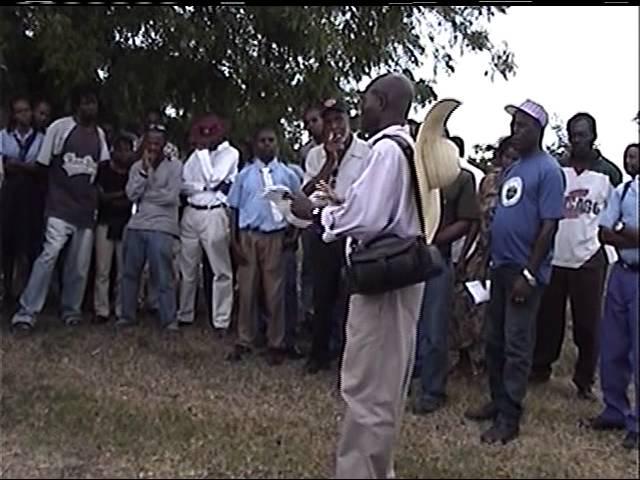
(390, 262)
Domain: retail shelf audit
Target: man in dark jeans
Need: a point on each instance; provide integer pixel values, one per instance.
(336, 164)
(529, 207)
(459, 210)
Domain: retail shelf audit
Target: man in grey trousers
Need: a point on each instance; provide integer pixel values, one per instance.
(381, 329)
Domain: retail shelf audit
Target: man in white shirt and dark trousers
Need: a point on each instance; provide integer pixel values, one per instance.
(337, 163)
(207, 178)
(579, 266)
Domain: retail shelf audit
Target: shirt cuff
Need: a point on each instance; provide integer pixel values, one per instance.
(327, 221)
(144, 174)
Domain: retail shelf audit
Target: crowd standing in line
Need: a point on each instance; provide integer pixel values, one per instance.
(156, 221)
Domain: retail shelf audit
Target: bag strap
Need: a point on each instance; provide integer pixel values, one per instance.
(409, 154)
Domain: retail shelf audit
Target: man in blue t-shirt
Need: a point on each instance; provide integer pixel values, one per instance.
(525, 222)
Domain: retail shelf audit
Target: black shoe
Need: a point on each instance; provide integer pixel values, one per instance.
(21, 329)
(99, 319)
(314, 366)
(219, 333)
(602, 424)
(585, 393)
(486, 412)
(500, 431)
(293, 353)
(237, 354)
(425, 406)
(275, 357)
(538, 377)
(122, 324)
(72, 321)
(630, 441)
(171, 327)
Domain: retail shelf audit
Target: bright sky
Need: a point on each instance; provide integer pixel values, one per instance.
(570, 59)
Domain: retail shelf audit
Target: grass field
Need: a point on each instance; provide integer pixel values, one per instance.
(92, 403)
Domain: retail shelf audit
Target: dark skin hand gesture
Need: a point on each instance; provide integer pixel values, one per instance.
(301, 206)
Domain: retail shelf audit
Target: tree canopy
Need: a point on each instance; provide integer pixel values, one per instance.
(254, 65)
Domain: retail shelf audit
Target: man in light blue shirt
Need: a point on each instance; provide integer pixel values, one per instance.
(619, 356)
(258, 236)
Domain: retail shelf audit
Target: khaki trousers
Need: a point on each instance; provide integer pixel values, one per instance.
(376, 372)
(262, 276)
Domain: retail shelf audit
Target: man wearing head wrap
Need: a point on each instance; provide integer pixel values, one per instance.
(207, 178)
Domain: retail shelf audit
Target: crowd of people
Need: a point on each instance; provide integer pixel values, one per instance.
(130, 220)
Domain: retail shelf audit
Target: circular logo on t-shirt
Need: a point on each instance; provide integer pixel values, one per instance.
(511, 192)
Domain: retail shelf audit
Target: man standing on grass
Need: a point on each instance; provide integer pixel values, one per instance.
(338, 162)
(579, 266)
(71, 150)
(381, 329)
(460, 210)
(314, 126)
(114, 212)
(154, 186)
(258, 240)
(620, 357)
(522, 233)
(207, 178)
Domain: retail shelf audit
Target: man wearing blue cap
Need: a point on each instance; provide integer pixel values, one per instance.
(522, 233)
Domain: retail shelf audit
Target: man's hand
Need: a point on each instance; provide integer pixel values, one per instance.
(146, 161)
(328, 192)
(520, 291)
(301, 206)
(333, 147)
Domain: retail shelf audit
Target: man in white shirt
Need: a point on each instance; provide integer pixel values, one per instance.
(337, 163)
(381, 329)
(207, 177)
(579, 266)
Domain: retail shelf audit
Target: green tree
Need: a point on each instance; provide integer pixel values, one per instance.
(254, 65)
(559, 146)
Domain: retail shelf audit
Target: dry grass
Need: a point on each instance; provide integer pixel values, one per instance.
(90, 403)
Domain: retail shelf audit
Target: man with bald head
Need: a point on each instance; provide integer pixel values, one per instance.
(381, 329)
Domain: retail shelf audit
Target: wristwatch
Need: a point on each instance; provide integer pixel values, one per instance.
(529, 277)
(618, 227)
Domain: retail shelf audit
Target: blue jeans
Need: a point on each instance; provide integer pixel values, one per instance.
(432, 356)
(58, 234)
(155, 247)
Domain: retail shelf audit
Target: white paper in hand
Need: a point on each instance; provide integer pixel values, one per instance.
(480, 291)
(276, 194)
